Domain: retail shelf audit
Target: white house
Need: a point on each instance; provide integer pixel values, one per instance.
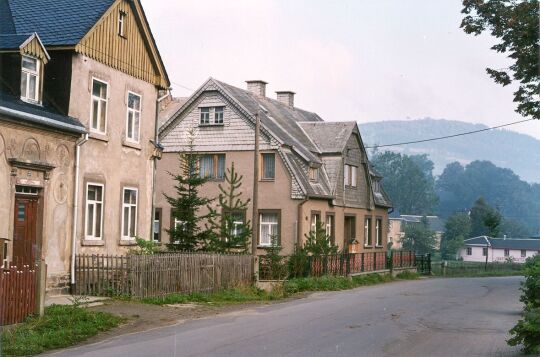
(498, 249)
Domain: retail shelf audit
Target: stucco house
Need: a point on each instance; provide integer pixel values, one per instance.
(310, 170)
(398, 224)
(479, 249)
(79, 83)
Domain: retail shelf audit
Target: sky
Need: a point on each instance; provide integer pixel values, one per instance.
(363, 60)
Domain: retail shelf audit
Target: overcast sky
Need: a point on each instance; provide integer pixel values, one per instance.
(346, 60)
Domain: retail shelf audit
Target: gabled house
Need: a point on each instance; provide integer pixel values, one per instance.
(79, 83)
(483, 248)
(310, 171)
(399, 222)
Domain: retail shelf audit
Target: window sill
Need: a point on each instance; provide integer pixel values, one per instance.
(379, 246)
(92, 242)
(267, 180)
(131, 145)
(98, 136)
(368, 247)
(267, 246)
(211, 125)
(127, 242)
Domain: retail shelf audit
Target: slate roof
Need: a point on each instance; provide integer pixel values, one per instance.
(58, 22)
(329, 137)
(505, 243)
(12, 41)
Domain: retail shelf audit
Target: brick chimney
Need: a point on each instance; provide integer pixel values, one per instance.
(257, 87)
(286, 97)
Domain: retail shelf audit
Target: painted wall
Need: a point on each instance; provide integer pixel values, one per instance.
(495, 255)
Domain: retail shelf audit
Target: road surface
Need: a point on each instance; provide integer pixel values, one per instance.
(428, 317)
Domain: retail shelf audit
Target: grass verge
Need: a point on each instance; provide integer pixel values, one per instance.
(289, 288)
(61, 326)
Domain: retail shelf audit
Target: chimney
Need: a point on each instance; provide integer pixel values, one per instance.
(286, 97)
(257, 87)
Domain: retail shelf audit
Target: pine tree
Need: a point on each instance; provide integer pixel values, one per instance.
(228, 234)
(318, 243)
(186, 233)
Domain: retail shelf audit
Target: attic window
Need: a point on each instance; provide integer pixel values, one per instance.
(376, 186)
(313, 174)
(121, 23)
(30, 79)
(211, 115)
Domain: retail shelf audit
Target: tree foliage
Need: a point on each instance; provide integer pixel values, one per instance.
(419, 237)
(408, 180)
(228, 235)
(187, 204)
(318, 243)
(515, 24)
(457, 228)
(485, 220)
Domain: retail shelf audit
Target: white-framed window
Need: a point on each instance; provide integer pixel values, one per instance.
(121, 23)
(315, 219)
(133, 117)
(268, 228)
(268, 166)
(523, 253)
(156, 226)
(469, 251)
(98, 114)
(330, 227)
(94, 211)
(378, 232)
(238, 219)
(129, 213)
(211, 115)
(367, 232)
(30, 79)
(507, 252)
(350, 175)
(212, 166)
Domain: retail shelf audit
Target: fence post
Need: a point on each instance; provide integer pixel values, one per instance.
(362, 266)
(41, 284)
(390, 262)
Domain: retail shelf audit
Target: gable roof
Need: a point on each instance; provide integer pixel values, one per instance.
(329, 137)
(504, 243)
(58, 22)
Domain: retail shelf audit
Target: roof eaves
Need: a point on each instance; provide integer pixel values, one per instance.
(42, 120)
(32, 36)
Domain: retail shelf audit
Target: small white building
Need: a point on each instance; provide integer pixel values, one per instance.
(498, 249)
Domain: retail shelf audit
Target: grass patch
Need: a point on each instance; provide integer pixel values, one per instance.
(408, 275)
(61, 326)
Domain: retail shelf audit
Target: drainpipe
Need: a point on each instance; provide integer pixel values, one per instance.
(78, 145)
(299, 221)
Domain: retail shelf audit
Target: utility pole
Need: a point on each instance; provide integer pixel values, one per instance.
(255, 200)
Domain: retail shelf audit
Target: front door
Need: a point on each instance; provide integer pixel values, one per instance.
(350, 232)
(25, 249)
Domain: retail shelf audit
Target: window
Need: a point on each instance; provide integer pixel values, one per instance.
(378, 232)
(376, 186)
(268, 166)
(315, 219)
(99, 106)
(5, 258)
(507, 252)
(156, 227)
(330, 227)
(133, 117)
(367, 232)
(211, 115)
(238, 219)
(212, 166)
(129, 213)
(313, 174)
(349, 175)
(268, 228)
(94, 211)
(523, 253)
(121, 23)
(30, 79)
(469, 251)
(484, 252)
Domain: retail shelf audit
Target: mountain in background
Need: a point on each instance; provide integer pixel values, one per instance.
(508, 149)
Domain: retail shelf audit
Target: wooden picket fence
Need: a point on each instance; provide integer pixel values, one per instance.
(18, 295)
(143, 276)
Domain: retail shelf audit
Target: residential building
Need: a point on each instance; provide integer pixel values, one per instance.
(79, 86)
(398, 224)
(311, 171)
(483, 248)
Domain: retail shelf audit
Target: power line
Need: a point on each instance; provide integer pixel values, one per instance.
(448, 136)
(182, 86)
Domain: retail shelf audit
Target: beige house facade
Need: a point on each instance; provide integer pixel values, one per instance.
(310, 170)
(78, 131)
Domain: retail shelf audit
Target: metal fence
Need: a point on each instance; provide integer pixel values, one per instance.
(157, 275)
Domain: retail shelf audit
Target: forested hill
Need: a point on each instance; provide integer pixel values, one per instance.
(508, 149)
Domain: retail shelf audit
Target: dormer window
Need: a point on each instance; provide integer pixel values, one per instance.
(376, 186)
(313, 174)
(121, 23)
(30, 79)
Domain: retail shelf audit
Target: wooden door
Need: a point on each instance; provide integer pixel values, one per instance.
(349, 232)
(25, 247)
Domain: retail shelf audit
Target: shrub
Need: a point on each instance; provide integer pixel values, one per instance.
(298, 263)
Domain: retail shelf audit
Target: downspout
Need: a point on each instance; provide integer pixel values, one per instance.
(78, 145)
(299, 221)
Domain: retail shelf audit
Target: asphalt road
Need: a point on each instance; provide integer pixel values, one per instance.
(429, 317)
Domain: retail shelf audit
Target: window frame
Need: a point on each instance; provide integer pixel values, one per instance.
(236, 223)
(506, 252)
(269, 211)
(211, 115)
(469, 250)
(134, 111)
(315, 217)
(100, 106)
(368, 232)
(332, 233)
(159, 221)
(378, 232)
(313, 174)
(215, 166)
(122, 15)
(484, 251)
(28, 73)
(350, 176)
(94, 202)
(130, 206)
(262, 171)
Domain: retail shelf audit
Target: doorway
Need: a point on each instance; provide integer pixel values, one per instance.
(349, 231)
(25, 245)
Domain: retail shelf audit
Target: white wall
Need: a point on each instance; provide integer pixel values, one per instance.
(494, 255)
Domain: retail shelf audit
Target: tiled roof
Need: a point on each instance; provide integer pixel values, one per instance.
(12, 41)
(505, 243)
(58, 22)
(329, 137)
